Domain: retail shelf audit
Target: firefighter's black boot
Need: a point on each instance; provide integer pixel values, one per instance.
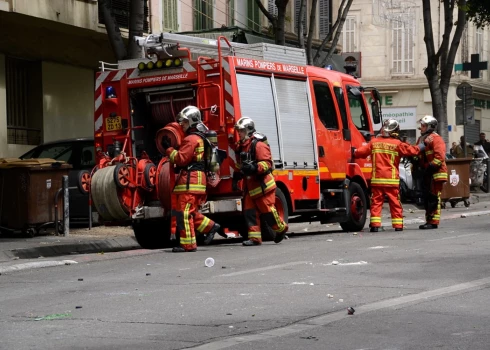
(181, 250)
(250, 243)
(398, 229)
(210, 235)
(374, 229)
(427, 226)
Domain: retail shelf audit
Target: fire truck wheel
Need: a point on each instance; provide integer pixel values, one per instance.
(83, 183)
(152, 234)
(150, 174)
(121, 175)
(282, 208)
(358, 209)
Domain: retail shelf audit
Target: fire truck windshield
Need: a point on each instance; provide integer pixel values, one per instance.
(358, 112)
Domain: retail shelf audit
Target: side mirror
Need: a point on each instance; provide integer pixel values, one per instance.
(355, 91)
(375, 112)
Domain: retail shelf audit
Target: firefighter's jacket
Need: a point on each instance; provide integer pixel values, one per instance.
(189, 159)
(262, 182)
(386, 153)
(434, 155)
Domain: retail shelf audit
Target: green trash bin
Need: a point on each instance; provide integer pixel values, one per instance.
(457, 188)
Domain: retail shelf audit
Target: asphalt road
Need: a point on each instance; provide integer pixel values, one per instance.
(411, 290)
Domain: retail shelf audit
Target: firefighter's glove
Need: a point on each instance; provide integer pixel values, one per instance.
(166, 142)
(249, 168)
(431, 169)
(421, 146)
(237, 176)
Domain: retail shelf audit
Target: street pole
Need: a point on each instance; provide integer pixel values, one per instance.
(464, 122)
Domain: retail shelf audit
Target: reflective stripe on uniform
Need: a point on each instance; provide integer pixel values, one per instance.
(172, 156)
(254, 234)
(268, 185)
(439, 176)
(385, 181)
(265, 167)
(204, 224)
(375, 220)
(183, 188)
(281, 225)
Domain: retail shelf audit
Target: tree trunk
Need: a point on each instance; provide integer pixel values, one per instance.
(336, 38)
(278, 22)
(300, 28)
(136, 23)
(310, 31)
(440, 64)
(113, 31)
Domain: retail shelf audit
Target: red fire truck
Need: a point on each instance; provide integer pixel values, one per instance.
(311, 116)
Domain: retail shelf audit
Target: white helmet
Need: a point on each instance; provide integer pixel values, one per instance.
(247, 124)
(390, 127)
(431, 123)
(191, 114)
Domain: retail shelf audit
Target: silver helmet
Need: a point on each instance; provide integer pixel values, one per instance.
(247, 124)
(191, 114)
(431, 123)
(390, 127)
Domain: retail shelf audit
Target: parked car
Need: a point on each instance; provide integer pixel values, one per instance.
(80, 153)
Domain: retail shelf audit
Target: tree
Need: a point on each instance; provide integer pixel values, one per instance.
(440, 63)
(136, 22)
(479, 12)
(278, 21)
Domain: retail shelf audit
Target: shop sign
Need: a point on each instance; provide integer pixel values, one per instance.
(406, 116)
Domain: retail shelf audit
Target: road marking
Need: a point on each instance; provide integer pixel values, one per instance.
(272, 267)
(34, 265)
(321, 321)
(452, 237)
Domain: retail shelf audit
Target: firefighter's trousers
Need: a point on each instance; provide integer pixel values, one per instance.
(433, 200)
(189, 219)
(377, 199)
(262, 208)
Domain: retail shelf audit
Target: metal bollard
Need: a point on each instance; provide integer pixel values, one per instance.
(66, 207)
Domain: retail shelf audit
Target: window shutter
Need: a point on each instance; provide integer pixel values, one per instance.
(272, 8)
(253, 21)
(170, 22)
(120, 10)
(324, 18)
(403, 32)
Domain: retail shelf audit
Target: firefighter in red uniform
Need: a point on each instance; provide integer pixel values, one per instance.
(433, 162)
(255, 164)
(386, 151)
(190, 187)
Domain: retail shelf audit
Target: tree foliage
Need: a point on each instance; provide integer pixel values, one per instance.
(478, 11)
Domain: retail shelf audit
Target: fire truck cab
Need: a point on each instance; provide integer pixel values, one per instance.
(312, 118)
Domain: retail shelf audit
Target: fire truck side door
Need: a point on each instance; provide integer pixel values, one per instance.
(328, 131)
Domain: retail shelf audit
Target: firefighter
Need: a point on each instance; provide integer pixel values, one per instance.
(255, 164)
(386, 151)
(190, 187)
(433, 162)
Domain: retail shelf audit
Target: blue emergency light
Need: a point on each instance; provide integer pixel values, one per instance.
(110, 92)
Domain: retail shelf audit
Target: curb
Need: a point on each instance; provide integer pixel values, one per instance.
(445, 217)
(107, 245)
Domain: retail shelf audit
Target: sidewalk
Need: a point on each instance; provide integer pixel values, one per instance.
(102, 239)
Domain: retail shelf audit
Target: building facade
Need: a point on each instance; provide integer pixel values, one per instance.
(389, 35)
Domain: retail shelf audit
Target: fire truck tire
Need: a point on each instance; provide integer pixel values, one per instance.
(152, 234)
(121, 175)
(105, 195)
(358, 209)
(83, 183)
(282, 208)
(150, 175)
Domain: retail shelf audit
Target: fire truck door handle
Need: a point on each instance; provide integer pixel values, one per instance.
(321, 151)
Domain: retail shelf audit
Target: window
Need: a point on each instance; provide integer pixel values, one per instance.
(170, 15)
(57, 151)
(120, 10)
(358, 112)
(403, 44)
(297, 6)
(349, 32)
(87, 155)
(203, 14)
(253, 17)
(230, 13)
(272, 8)
(24, 101)
(323, 18)
(325, 105)
(339, 95)
(479, 42)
